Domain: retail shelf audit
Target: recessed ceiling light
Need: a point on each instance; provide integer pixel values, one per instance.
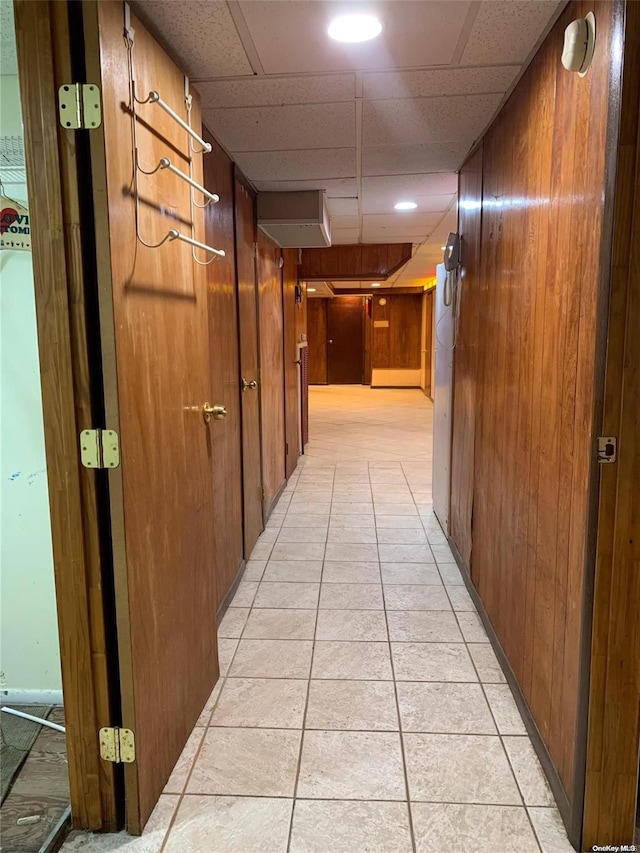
(405, 205)
(376, 284)
(311, 290)
(354, 28)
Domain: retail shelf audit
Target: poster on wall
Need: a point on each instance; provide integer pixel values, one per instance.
(15, 229)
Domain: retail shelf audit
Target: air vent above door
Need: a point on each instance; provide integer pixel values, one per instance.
(295, 220)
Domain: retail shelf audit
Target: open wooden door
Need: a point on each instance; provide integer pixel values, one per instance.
(155, 351)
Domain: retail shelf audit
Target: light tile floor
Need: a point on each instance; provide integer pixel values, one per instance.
(361, 706)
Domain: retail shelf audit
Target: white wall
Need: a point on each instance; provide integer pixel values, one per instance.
(29, 654)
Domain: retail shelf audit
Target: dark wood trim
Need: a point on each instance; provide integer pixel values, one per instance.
(274, 501)
(226, 601)
(377, 291)
(532, 730)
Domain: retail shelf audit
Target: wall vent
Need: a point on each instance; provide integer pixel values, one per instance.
(295, 220)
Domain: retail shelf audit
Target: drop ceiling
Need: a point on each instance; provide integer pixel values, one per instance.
(371, 123)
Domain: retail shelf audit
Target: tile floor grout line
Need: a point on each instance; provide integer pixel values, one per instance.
(400, 731)
(306, 705)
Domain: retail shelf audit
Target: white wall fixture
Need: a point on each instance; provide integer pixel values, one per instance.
(579, 44)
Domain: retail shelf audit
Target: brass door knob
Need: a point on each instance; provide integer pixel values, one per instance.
(249, 386)
(215, 412)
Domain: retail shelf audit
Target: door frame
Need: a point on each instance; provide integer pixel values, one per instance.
(66, 329)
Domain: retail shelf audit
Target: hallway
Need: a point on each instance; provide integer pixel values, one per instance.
(361, 706)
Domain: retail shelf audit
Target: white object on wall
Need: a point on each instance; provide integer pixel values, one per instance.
(444, 334)
(579, 44)
(29, 653)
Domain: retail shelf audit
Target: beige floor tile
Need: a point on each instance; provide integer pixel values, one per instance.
(346, 572)
(299, 596)
(504, 709)
(352, 705)
(352, 535)
(205, 714)
(351, 596)
(226, 651)
(270, 703)
(261, 551)
(401, 536)
(459, 769)
(254, 570)
(486, 663)
(351, 553)
(396, 508)
(415, 597)
(550, 830)
(298, 551)
(472, 628)
(443, 554)
(432, 662)
(318, 519)
(421, 626)
(233, 622)
(450, 574)
(460, 599)
(410, 573)
(443, 708)
(272, 659)
(281, 624)
(481, 829)
(405, 554)
(354, 625)
(305, 535)
(351, 765)
(180, 772)
(231, 825)
(151, 840)
(352, 660)
(529, 774)
(352, 515)
(293, 571)
(332, 826)
(246, 762)
(245, 593)
(398, 522)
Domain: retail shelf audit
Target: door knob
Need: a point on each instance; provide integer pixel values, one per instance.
(330, 341)
(247, 386)
(215, 412)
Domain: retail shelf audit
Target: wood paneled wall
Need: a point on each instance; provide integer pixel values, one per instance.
(373, 262)
(317, 339)
(525, 370)
(397, 346)
(290, 339)
(271, 369)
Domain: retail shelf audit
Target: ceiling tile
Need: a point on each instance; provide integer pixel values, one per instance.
(8, 55)
(341, 223)
(343, 206)
(437, 82)
(298, 165)
(335, 188)
(344, 236)
(284, 128)
(291, 35)
(430, 192)
(203, 38)
(422, 120)
(399, 221)
(507, 28)
(265, 91)
(410, 159)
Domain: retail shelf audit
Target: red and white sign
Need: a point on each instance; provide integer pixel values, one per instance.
(15, 226)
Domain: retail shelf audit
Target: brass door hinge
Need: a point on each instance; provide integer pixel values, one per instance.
(79, 106)
(99, 448)
(117, 745)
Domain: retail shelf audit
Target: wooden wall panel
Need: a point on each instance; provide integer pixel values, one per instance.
(374, 262)
(397, 346)
(290, 329)
(317, 339)
(525, 370)
(271, 369)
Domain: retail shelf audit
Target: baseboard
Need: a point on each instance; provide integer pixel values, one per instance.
(539, 745)
(274, 501)
(31, 697)
(396, 387)
(226, 601)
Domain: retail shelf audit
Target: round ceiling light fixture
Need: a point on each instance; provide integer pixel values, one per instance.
(405, 205)
(354, 28)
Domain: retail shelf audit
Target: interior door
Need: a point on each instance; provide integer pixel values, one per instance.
(345, 339)
(225, 371)
(249, 372)
(155, 350)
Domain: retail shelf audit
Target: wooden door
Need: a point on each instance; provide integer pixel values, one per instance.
(345, 339)
(317, 339)
(249, 365)
(155, 349)
(226, 433)
(292, 410)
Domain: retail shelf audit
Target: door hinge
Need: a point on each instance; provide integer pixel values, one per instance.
(99, 448)
(607, 449)
(263, 494)
(117, 745)
(255, 251)
(286, 448)
(79, 106)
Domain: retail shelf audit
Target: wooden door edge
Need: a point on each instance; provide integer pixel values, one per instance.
(42, 39)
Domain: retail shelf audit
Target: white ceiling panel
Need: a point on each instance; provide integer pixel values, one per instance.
(422, 120)
(343, 206)
(269, 91)
(412, 159)
(434, 82)
(342, 223)
(291, 35)
(201, 33)
(344, 236)
(298, 165)
(339, 188)
(508, 29)
(429, 192)
(8, 56)
(408, 221)
(284, 128)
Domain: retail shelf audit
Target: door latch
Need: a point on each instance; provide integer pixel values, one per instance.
(607, 449)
